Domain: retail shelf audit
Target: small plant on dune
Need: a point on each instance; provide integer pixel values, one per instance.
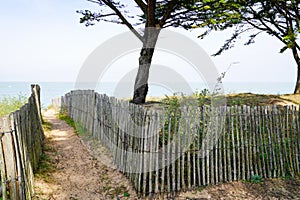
(202, 96)
(173, 102)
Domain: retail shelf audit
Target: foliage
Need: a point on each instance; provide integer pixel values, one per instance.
(46, 166)
(46, 125)
(279, 19)
(173, 102)
(67, 119)
(276, 18)
(126, 194)
(79, 129)
(175, 13)
(203, 97)
(256, 178)
(173, 114)
(11, 103)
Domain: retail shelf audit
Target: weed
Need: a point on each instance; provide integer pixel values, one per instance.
(256, 178)
(46, 125)
(288, 177)
(200, 189)
(80, 130)
(46, 166)
(202, 97)
(126, 194)
(173, 102)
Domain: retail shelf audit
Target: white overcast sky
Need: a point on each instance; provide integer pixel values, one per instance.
(42, 40)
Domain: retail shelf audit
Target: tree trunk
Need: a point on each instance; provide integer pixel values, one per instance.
(297, 59)
(141, 81)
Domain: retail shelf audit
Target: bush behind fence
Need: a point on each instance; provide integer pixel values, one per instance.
(164, 151)
(21, 140)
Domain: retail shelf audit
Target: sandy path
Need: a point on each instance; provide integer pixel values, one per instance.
(76, 174)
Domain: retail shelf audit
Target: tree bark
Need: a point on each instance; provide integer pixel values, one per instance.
(149, 41)
(297, 59)
(145, 59)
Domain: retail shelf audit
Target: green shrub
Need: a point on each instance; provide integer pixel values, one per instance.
(10, 104)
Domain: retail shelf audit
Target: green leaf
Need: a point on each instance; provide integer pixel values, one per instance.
(283, 49)
(126, 194)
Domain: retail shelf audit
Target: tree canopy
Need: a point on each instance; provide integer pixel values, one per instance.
(140, 13)
(278, 18)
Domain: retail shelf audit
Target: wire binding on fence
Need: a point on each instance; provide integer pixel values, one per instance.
(6, 132)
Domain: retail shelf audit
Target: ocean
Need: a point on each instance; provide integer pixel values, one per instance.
(50, 90)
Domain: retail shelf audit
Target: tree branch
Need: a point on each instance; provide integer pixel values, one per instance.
(151, 13)
(94, 1)
(142, 5)
(167, 13)
(121, 16)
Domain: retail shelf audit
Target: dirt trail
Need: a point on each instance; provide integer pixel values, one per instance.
(76, 174)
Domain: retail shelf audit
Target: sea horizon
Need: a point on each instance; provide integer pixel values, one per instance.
(50, 90)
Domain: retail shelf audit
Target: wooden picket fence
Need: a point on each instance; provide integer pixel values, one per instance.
(21, 141)
(163, 151)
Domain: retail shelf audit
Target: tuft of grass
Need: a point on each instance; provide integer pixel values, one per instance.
(47, 164)
(79, 129)
(10, 104)
(47, 126)
(67, 119)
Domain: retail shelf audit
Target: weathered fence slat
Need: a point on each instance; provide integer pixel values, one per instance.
(21, 141)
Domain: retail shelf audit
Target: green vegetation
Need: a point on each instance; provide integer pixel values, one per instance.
(79, 129)
(279, 19)
(46, 125)
(47, 165)
(10, 104)
(173, 106)
(256, 178)
(67, 119)
(126, 194)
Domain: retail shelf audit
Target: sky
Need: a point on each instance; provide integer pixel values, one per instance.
(42, 40)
